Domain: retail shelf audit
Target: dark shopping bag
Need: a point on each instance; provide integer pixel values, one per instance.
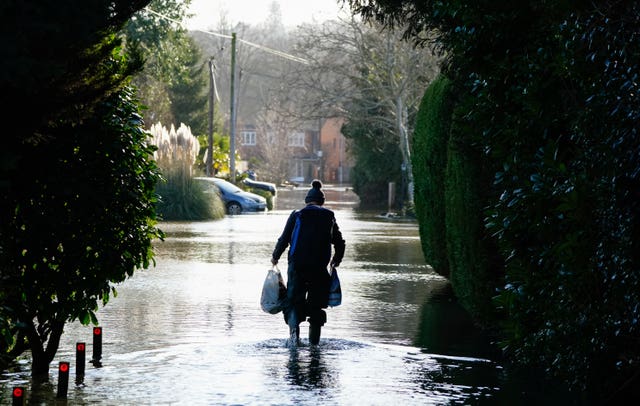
(274, 291)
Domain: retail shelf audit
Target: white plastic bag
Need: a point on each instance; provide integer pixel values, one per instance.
(274, 291)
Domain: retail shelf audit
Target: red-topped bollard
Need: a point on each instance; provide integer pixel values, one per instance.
(97, 347)
(17, 396)
(63, 379)
(80, 361)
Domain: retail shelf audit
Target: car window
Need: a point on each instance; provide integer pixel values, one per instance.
(228, 187)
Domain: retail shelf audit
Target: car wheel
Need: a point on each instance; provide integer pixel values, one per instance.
(234, 208)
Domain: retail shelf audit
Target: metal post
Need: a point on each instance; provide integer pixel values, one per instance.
(232, 140)
(97, 347)
(209, 163)
(63, 379)
(392, 196)
(17, 396)
(80, 361)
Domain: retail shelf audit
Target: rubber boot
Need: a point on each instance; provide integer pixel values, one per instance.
(294, 336)
(294, 330)
(314, 333)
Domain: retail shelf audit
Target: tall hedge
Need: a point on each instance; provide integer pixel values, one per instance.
(555, 111)
(429, 160)
(451, 190)
(474, 263)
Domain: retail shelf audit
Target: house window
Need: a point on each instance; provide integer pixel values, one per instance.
(297, 170)
(296, 139)
(248, 137)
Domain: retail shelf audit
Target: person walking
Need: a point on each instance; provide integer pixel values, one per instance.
(309, 233)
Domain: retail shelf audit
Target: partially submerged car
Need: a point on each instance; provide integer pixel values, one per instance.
(235, 199)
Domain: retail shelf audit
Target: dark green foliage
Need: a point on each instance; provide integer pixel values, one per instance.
(472, 256)
(553, 107)
(76, 177)
(85, 222)
(378, 163)
(189, 97)
(429, 158)
(565, 216)
(52, 59)
(452, 188)
(173, 85)
(582, 235)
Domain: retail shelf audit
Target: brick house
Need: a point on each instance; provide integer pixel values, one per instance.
(336, 160)
(310, 153)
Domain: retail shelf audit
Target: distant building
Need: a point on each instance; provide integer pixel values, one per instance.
(304, 162)
(336, 160)
(310, 153)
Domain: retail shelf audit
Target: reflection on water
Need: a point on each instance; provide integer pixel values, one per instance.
(308, 369)
(191, 331)
(444, 328)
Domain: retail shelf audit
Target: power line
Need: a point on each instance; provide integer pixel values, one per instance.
(257, 46)
(276, 52)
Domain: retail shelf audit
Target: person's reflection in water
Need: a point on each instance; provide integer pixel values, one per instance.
(308, 369)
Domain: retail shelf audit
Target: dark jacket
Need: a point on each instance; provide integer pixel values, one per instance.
(310, 232)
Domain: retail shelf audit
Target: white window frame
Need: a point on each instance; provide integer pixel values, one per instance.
(248, 137)
(298, 168)
(296, 139)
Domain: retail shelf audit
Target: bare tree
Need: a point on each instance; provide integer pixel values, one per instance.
(354, 68)
(273, 152)
(341, 68)
(261, 57)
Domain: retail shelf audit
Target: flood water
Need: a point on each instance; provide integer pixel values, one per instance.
(190, 331)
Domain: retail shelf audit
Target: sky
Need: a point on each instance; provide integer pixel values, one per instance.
(294, 12)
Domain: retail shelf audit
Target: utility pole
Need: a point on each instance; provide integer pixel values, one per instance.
(209, 163)
(232, 141)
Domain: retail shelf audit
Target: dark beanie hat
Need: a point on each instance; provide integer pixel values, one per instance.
(315, 194)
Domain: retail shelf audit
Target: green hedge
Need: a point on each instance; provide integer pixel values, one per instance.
(451, 190)
(429, 160)
(472, 254)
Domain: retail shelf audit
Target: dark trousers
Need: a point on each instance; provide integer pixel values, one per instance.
(307, 294)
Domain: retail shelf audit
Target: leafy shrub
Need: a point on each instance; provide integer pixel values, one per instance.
(180, 197)
(472, 253)
(378, 164)
(429, 159)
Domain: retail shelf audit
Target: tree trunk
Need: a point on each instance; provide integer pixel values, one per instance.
(401, 128)
(41, 357)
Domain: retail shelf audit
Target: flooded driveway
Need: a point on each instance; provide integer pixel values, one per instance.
(191, 331)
